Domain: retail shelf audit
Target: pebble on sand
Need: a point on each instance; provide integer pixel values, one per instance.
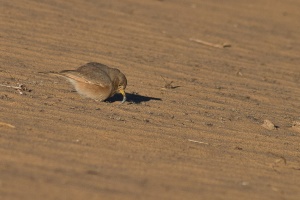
(269, 125)
(296, 126)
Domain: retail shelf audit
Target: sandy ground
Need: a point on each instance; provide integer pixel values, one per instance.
(192, 126)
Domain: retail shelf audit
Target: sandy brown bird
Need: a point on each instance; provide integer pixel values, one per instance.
(97, 81)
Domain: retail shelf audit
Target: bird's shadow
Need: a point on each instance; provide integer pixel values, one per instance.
(132, 98)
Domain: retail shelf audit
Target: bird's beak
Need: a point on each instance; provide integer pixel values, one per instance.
(122, 91)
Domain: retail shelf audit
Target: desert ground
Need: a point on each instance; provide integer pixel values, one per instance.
(203, 78)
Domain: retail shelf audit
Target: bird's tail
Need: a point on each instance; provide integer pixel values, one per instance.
(52, 73)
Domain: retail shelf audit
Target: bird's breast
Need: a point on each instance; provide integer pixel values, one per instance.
(93, 91)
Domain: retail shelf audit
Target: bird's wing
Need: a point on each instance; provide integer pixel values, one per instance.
(95, 78)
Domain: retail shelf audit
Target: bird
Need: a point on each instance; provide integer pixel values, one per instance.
(96, 81)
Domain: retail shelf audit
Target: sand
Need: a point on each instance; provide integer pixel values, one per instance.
(192, 127)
